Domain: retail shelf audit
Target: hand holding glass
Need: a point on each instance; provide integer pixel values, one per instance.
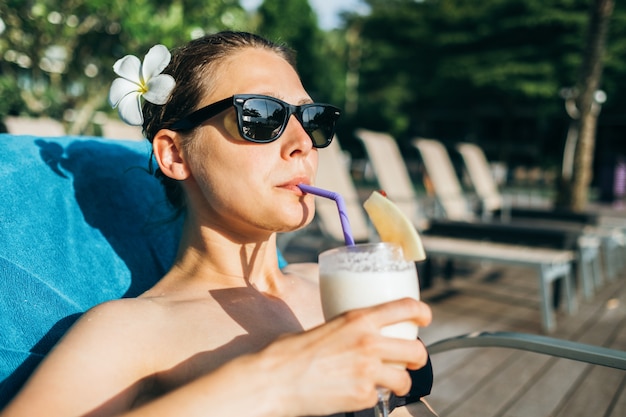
(364, 275)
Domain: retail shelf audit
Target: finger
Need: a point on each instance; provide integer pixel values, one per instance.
(395, 379)
(397, 311)
(422, 351)
(411, 354)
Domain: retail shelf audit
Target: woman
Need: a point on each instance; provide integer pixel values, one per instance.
(230, 156)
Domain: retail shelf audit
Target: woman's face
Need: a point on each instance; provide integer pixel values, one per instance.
(251, 187)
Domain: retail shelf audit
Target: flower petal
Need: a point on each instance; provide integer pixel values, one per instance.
(128, 67)
(129, 109)
(159, 89)
(120, 88)
(155, 62)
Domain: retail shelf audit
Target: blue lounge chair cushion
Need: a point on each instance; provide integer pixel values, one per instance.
(82, 221)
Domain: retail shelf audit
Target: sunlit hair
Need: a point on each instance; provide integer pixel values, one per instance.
(195, 68)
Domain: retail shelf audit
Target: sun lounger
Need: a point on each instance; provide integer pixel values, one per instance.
(334, 174)
(550, 265)
(525, 221)
(484, 184)
(477, 169)
(393, 177)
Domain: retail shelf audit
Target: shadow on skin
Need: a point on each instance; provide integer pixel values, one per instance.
(259, 317)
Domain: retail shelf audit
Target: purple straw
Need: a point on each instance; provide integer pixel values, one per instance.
(341, 206)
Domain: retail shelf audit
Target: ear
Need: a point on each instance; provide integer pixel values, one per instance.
(168, 153)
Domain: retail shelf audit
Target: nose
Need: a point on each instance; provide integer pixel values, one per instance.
(295, 140)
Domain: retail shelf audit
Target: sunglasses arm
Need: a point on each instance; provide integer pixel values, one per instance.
(197, 117)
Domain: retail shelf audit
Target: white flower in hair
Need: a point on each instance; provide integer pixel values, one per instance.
(140, 80)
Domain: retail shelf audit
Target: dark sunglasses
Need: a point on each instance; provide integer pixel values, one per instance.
(262, 119)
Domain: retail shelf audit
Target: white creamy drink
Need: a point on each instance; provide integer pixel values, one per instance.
(365, 275)
(358, 276)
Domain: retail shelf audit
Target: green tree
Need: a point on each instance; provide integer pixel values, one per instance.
(58, 54)
(295, 23)
(450, 58)
(489, 71)
(575, 187)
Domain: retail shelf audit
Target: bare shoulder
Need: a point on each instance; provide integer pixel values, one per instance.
(308, 271)
(109, 315)
(112, 309)
(111, 327)
(107, 344)
(111, 335)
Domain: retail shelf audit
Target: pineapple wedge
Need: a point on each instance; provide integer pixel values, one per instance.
(393, 226)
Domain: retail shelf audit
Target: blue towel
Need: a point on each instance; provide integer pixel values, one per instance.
(82, 221)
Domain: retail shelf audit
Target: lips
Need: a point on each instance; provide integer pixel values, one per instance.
(292, 184)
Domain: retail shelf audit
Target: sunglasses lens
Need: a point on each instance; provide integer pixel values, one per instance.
(319, 122)
(262, 119)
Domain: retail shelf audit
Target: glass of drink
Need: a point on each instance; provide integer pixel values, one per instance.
(365, 275)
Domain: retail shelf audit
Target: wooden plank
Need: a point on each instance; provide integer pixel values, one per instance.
(505, 385)
(521, 384)
(458, 385)
(618, 408)
(556, 388)
(459, 373)
(593, 394)
(547, 392)
(598, 390)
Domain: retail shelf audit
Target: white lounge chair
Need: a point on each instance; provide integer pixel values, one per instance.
(486, 188)
(454, 203)
(392, 174)
(334, 174)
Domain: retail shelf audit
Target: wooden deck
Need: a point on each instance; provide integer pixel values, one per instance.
(499, 382)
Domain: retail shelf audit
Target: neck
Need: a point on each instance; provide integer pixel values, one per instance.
(206, 253)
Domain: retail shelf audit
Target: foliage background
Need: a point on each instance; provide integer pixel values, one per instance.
(488, 71)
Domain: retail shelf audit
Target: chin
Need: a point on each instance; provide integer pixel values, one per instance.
(293, 223)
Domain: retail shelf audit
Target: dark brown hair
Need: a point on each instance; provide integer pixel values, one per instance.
(194, 67)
